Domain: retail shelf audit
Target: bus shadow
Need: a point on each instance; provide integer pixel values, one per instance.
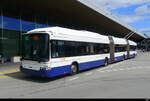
(28, 78)
(21, 76)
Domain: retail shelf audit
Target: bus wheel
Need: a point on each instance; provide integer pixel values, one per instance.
(106, 62)
(74, 69)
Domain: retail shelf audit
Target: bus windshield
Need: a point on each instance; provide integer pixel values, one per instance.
(35, 47)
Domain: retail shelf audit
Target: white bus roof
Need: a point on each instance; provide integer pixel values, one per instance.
(59, 33)
(73, 35)
(120, 41)
(132, 43)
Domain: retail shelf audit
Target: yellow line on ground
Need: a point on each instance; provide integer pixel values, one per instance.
(5, 73)
(1, 77)
(8, 72)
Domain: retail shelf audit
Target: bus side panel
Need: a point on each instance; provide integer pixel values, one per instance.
(132, 54)
(58, 71)
(62, 70)
(118, 58)
(92, 64)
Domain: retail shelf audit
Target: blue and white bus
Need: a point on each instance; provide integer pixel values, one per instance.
(56, 51)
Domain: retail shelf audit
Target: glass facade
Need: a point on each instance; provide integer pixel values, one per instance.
(19, 25)
(10, 34)
(10, 43)
(11, 23)
(26, 26)
(0, 35)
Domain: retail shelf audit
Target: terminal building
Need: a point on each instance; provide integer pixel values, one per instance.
(20, 16)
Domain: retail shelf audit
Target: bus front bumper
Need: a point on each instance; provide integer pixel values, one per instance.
(40, 73)
(47, 73)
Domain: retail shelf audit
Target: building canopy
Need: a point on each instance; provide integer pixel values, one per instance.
(69, 13)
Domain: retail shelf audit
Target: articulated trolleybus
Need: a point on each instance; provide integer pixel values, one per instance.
(56, 51)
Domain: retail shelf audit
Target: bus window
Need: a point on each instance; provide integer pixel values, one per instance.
(120, 48)
(133, 48)
(36, 47)
(57, 49)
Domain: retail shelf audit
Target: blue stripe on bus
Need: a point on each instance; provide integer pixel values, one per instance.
(88, 65)
(58, 71)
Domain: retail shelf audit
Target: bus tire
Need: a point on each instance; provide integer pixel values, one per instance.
(74, 69)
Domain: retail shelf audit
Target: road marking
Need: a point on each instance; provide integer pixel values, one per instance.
(1, 77)
(90, 73)
(108, 70)
(9, 73)
(101, 71)
(115, 70)
(121, 69)
(110, 66)
(73, 78)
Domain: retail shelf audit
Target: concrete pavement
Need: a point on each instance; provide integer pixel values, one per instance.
(126, 79)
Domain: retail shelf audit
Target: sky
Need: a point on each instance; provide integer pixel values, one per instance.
(135, 13)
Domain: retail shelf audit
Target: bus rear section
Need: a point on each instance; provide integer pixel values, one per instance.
(133, 49)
